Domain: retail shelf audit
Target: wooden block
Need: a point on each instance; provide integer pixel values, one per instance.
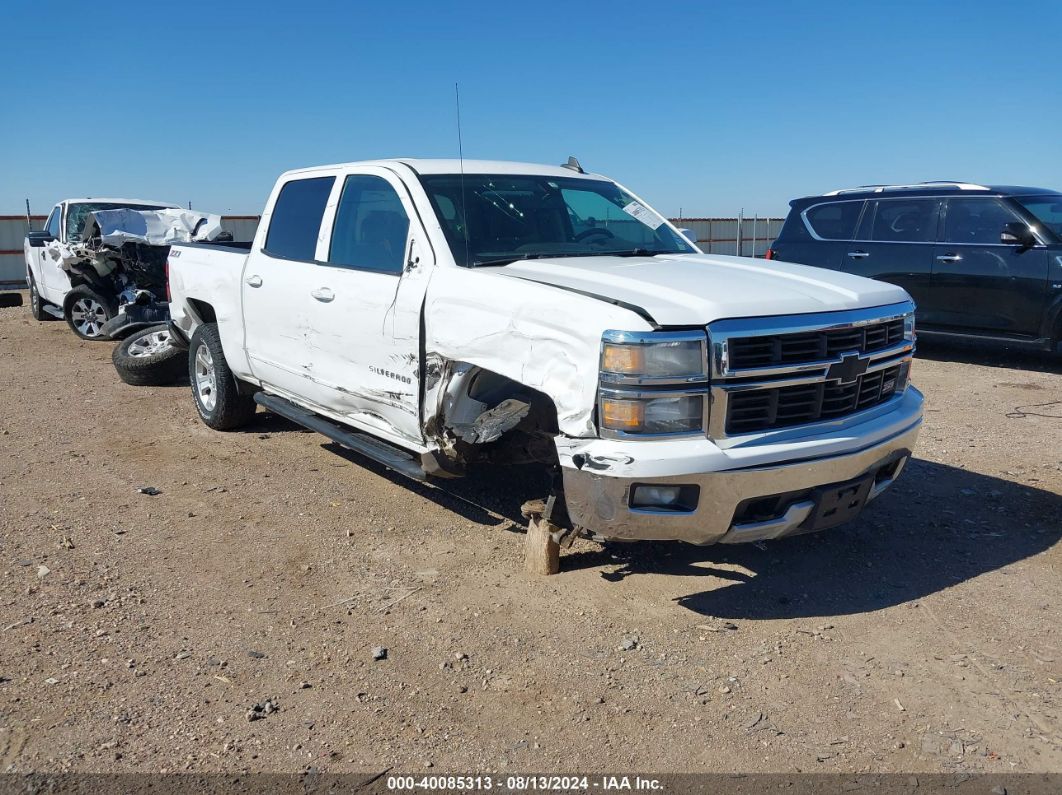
(541, 552)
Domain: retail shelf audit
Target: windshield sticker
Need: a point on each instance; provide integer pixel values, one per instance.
(643, 214)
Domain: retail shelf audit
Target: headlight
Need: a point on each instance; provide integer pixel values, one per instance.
(653, 383)
(909, 326)
(678, 356)
(649, 414)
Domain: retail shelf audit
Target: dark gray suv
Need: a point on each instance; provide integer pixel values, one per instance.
(979, 261)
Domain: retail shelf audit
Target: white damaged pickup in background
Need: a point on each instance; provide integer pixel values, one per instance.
(432, 315)
(100, 263)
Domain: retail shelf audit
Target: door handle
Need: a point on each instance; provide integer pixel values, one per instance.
(858, 254)
(323, 294)
(949, 258)
(254, 281)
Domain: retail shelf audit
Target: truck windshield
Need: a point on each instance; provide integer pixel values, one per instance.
(78, 214)
(1046, 209)
(494, 219)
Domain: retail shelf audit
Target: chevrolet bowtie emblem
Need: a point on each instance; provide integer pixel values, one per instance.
(848, 369)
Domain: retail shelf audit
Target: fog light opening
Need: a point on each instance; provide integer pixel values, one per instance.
(664, 498)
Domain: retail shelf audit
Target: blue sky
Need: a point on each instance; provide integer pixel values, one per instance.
(706, 106)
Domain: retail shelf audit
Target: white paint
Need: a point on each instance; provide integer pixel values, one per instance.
(695, 289)
(537, 322)
(156, 227)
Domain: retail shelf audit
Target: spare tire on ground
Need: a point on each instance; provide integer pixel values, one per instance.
(149, 358)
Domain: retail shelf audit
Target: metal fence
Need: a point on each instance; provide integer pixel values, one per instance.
(748, 237)
(13, 230)
(741, 236)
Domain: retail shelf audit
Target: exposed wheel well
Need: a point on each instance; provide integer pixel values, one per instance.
(204, 310)
(484, 416)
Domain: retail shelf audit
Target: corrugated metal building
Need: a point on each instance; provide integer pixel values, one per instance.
(746, 237)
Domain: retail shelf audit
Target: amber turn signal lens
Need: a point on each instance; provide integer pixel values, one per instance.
(622, 415)
(628, 359)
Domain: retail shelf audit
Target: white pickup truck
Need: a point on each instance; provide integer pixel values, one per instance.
(431, 314)
(87, 294)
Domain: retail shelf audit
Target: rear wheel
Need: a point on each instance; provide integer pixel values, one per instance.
(149, 358)
(214, 387)
(87, 311)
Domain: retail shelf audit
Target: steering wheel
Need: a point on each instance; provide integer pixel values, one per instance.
(597, 230)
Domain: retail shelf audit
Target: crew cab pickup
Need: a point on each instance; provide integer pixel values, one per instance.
(434, 314)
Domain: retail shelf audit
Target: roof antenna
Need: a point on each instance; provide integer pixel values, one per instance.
(573, 164)
(461, 158)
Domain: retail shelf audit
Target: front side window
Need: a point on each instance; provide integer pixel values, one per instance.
(494, 219)
(296, 219)
(835, 221)
(1045, 209)
(902, 220)
(371, 226)
(52, 225)
(976, 221)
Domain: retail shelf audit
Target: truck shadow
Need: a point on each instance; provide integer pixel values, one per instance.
(972, 352)
(939, 526)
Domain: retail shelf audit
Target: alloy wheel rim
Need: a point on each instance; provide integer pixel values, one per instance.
(205, 378)
(89, 316)
(150, 344)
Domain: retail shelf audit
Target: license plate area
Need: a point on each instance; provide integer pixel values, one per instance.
(839, 503)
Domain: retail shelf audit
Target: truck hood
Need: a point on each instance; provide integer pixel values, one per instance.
(695, 289)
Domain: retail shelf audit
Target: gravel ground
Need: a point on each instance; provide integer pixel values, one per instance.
(280, 605)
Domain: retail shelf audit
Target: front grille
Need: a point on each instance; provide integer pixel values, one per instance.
(772, 349)
(764, 409)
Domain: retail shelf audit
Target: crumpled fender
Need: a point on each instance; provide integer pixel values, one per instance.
(543, 337)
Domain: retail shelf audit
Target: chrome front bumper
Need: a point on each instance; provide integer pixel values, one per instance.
(599, 501)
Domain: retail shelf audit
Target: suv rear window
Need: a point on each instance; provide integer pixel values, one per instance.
(296, 218)
(834, 221)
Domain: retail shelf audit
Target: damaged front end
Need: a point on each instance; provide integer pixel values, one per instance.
(121, 255)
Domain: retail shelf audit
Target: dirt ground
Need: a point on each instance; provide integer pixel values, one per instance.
(137, 632)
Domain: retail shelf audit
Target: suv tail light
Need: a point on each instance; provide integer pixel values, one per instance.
(770, 254)
(166, 278)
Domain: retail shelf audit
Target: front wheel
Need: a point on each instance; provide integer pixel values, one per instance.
(87, 311)
(214, 387)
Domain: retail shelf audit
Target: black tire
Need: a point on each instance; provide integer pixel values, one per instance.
(214, 388)
(149, 358)
(36, 302)
(86, 311)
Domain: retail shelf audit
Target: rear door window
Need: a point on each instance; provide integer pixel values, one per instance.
(976, 221)
(902, 220)
(296, 218)
(836, 220)
(371, 226)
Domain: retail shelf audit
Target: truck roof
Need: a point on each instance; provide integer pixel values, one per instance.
(454, 166)
(107, 200)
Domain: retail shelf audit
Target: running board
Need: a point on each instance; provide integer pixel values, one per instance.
(394, 458)
(54, 311)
